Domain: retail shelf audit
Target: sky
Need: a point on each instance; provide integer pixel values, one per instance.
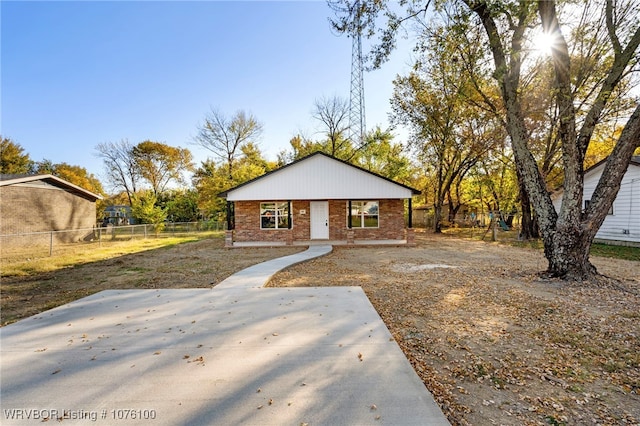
(76, 74)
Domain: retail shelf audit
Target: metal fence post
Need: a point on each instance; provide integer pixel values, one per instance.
(51, 243)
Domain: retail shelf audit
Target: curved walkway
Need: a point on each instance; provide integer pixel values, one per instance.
(236, 354)
(260, 274)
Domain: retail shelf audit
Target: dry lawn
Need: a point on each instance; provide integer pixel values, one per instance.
(493, 342)
(191, 265)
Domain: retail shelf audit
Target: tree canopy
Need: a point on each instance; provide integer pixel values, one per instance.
(585, 94)
(129, 167)
(225, 137)
(13, 159)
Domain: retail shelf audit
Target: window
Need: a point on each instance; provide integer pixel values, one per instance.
(274, 215)
(364, 214)
(588, 202)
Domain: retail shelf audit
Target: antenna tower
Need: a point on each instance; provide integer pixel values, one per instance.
(357, 128)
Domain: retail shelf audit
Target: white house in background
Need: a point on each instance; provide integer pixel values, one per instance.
(622, 224)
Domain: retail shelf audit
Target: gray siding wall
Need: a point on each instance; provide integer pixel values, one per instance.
(37, 208)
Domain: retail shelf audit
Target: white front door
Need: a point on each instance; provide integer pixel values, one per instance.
(319, 220)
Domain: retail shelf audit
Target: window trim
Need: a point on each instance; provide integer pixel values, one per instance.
(350, 215)
(277, 216)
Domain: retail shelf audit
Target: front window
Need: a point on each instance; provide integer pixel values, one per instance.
(364, 214)
(274, 215)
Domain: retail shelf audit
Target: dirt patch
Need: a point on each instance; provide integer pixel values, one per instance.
(494, 342)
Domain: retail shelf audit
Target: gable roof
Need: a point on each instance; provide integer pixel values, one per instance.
(42, 180)
(635, 161)
(319, 176)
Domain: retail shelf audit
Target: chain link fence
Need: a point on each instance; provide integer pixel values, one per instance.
(15, 247)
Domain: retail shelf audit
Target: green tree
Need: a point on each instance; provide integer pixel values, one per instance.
(13, 159)
(146, 210)
(383, 156)
(160, 164)
(180, 205)
(212, 178)
(300, 147)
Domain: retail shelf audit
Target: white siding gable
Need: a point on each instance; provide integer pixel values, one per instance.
(318, 177)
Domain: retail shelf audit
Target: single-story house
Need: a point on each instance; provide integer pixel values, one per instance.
(622, 224)
(318, 198)
(45, 203)
(118, 215)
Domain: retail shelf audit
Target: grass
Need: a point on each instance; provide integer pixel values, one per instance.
(77, 254)
(618, 252)
(511, 238)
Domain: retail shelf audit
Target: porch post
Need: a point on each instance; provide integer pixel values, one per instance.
(289, 240)
(410, 233)
(349, 218)
(231, 222)
(230, 216)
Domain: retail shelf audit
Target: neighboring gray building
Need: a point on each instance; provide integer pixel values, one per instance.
(44, 203)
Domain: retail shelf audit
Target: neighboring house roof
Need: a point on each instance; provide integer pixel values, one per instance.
(635, 161)
(319, 176)
(43, 180)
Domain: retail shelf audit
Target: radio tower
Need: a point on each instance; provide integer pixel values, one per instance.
(357, 128)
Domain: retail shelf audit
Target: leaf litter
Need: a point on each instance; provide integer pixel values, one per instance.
(493, 341)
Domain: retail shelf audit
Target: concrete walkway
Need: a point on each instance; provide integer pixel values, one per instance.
(226, 356)
(258, 275)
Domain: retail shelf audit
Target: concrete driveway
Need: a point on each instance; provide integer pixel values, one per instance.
(232, 355)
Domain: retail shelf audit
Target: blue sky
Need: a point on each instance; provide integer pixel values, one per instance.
(76, 74)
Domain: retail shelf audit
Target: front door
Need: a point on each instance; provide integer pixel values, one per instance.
(319, 220)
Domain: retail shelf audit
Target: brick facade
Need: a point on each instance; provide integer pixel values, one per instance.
(43, 208)
(391, 223)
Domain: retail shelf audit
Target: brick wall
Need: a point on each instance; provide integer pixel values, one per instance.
(390, 220)
(247, 215)
(41, 209)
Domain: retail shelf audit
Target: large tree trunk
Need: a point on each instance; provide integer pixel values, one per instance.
(570, 256)
(528, 224)
(437, 217)
(573, 239)
(568, 234)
